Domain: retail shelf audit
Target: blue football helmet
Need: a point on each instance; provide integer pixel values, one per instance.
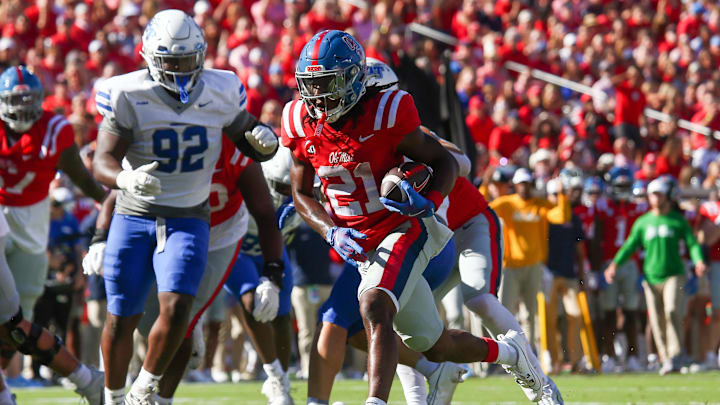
(571, 178)
(21, 97)
(621, 180)
(594, 185)
(331, 74)
(639, 188)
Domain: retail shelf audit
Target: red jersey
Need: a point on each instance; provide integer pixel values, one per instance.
(463, 203)
(352, 161)
(617, 219)
(28, 165)
(711, 211)
(225, 196)
(629, 104)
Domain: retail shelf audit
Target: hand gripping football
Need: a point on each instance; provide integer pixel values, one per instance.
(417, 174)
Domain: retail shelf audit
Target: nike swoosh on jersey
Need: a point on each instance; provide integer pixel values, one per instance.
(365, 138)
(142, 103)
(204, 104)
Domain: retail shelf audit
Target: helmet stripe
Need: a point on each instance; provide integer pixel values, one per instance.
(316, 47)
(19, 74)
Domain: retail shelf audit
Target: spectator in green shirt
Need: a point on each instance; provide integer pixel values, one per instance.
(659, 232)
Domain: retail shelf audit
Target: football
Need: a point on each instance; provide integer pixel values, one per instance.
(417, 174)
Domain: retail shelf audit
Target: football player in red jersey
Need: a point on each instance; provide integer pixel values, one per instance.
(708, 228)
(34, 144)
(350, 139)
(613, 226)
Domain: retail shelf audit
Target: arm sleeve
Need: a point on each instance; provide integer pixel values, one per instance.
(630, 245)
(288, 136)
(693, 246)
(560, 213)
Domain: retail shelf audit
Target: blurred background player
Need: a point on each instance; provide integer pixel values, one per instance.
(160, 228)
(659, 233)
(35, 145)
(613, 225)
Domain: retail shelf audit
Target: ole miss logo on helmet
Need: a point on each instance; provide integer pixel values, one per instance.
(314, 68)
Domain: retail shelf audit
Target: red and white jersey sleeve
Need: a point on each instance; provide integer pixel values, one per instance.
(29, 164)
(462, 204)
(228, 215)
(351, 161)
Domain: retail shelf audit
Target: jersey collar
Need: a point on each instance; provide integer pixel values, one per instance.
(174, 103)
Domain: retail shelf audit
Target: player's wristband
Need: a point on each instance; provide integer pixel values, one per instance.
(274, 271)
(100, 235)
(435, 197)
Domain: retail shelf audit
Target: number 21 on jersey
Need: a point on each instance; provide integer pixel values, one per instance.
(335, 192)
(167, 145)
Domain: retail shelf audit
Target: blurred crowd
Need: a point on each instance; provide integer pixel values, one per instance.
(658, 54)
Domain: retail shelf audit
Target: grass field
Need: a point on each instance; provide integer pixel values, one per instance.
(635, 389)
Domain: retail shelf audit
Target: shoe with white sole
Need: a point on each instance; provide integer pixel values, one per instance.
(94, 391)
(551, 394)
(275, 391)
(146, 397)
(443, 382)
(609, 365)
(523, 371)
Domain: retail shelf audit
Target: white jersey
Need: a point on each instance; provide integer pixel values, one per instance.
(277, 174)
(184, 138)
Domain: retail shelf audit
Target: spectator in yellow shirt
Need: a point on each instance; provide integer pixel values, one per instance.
(525, 228)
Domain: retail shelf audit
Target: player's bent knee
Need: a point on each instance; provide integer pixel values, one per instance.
(27, 342)
(377, 307)
(421, 344)
(175, 307)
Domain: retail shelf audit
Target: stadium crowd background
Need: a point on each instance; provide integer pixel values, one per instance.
(662, 54)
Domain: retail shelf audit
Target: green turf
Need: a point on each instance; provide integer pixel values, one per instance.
(636, 388)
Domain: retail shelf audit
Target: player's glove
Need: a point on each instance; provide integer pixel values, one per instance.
(262, 139)
(343, 241)
(267, 301)
(93, 260)
(415, 206)
(284, 212)
(140, 181)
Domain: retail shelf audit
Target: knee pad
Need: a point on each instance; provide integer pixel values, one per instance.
(26, 343)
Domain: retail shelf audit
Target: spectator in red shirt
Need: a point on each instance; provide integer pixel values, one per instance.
(629, 105)
(478, 121)
(648, 170)
(9, 55)
(671, 160)
(59, 102)
(22, 31)
(42, 16)
(505, 140)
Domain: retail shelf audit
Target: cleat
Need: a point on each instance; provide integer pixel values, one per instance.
(277, 391)
(633, 365)
(94, 392)
(551, 394)
(523, 371)
(443, 382)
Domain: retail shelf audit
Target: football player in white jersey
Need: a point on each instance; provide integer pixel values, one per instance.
(164, 124)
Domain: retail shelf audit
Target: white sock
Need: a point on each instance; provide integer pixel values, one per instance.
(114, 397)
(315, 401)
(144, 381)
(426, 367)
(162, 401)
(496, 318)
(274, 369)
(6, 397)
(374, 401)
(506, 354)
(81, 376)
(413, 384)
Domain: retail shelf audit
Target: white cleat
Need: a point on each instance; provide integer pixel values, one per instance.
(277, 391)
(443, 382)
(146, 397)
(94, 391)
(525, 374)
(551, 394)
